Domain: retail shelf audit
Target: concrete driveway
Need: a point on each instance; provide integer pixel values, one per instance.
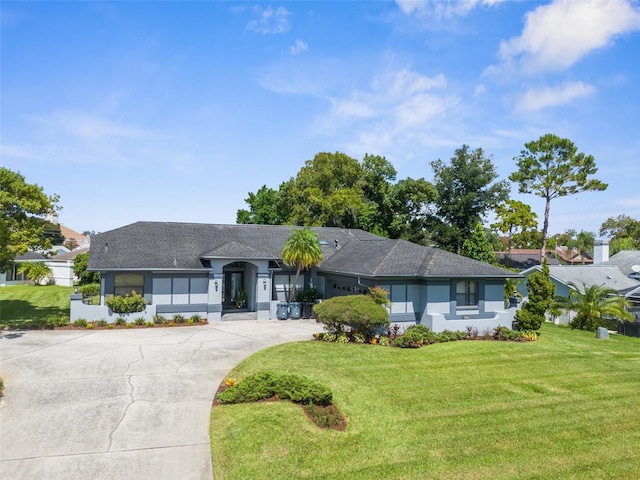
(121, 404)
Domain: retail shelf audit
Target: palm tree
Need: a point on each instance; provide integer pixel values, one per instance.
(35, 271)
(593, 306)
(302, 250)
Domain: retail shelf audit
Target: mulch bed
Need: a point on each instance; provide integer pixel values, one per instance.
(330, 411)
(132, 326)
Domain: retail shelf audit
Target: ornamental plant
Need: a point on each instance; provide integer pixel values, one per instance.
(130, 303)
(359, 312)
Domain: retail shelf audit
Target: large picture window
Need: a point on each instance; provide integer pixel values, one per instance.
(467, 293)
(125, 283)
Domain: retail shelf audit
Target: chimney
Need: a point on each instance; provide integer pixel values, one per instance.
(600, 250)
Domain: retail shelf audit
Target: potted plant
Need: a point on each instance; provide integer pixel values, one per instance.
(240, 299)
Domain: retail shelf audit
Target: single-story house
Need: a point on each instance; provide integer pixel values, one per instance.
(61, 266)
(187, 268)
(13, 277)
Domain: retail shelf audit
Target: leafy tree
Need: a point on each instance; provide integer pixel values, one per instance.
(593, 306)
(466, 191)
(52, 233)
(476, 246)
(584, 243)
(376, 214)
(302, 250)
(360, 312)
(624, 243)
(327, 191)
(22, 224)
(551, 167)
(541, 291)
(413, 204)
(624, 232)
(37, 272)
(80, 264)
(514, 217)
(527, 239)
(263, 208)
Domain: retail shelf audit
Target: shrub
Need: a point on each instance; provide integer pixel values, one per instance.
(159, 319)
(150, 324)
(359, 338)
(472, 332)
(504, 333)
(342, 338)
(308, 295)
(130, 303)
(263, 385)
(178, 318)
(53, 321)
(101, 323)
(91, 289)
(90, 326)
(129, 325)
(139, 321)
(195, 318)
(384, 341)
(110, 326)
(121, 321)
(360, 312)
(528, 319)
(81, 322)
(379, 295)
(410, 339)
(329, 337)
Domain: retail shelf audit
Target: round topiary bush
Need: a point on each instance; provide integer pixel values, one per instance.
(359, 312)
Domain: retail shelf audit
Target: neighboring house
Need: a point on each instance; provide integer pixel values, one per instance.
(628, 261)
(201, 269)
(62, 267)
(81, 240)
(587, 276)
(12, 277)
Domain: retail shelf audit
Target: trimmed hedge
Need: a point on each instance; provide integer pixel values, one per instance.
(263, 385)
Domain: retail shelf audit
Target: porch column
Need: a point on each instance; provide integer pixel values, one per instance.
(214, 307)
(263, 296)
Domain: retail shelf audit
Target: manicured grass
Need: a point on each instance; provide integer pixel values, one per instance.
(25, 306)
(563, 407)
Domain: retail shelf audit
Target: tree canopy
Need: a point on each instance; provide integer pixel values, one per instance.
(513, 217)
(23, 222)
(552, 167)
(466, 190)
(624, 232)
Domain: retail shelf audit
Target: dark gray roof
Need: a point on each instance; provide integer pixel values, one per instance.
(176, 246)
(30, 256)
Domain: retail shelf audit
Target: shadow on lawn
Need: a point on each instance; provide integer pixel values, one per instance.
(21, 314)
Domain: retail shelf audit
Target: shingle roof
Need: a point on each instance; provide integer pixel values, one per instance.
(590, 275)
(164, 245)
(624, 260)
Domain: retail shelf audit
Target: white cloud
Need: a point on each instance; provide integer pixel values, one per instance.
(539, 98)
(87, 127)
(423, 8)
(269, 20)
(298, 47)
(559, 34)
(630, 202)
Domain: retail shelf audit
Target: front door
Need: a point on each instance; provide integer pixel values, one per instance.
(233, 295)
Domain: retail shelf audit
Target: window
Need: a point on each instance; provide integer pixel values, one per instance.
(125, 283)
(466, 293)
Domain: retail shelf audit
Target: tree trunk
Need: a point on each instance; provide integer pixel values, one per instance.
(545, 229)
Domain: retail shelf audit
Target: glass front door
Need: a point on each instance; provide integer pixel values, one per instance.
(233, 293)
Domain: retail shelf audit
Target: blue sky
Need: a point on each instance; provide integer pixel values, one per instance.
(174, 111)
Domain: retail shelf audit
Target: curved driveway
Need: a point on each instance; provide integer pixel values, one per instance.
(120, 404)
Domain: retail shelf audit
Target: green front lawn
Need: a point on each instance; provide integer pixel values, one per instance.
(26, 306)
(563, 407)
